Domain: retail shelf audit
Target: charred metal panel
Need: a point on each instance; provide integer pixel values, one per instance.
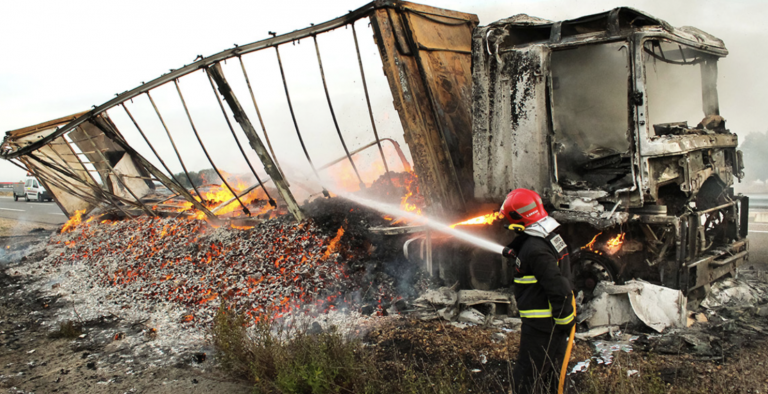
(510, 124)
(67, 190)
(426, 56)
(89, 140)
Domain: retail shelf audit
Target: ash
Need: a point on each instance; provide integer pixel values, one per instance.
(145, 290)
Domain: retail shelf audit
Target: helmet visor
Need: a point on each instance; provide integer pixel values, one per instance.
(514, 215)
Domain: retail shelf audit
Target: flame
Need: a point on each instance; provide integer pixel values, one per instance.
(408, 203)
(73, 221)
(373, 173)
(484, 219)
(333, 245)
(614, 244)
(255, 200)
(591, 244)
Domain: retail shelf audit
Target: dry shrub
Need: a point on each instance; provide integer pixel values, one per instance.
(68, 329)
(319, 363)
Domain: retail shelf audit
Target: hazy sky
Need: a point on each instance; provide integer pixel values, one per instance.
(63, 57)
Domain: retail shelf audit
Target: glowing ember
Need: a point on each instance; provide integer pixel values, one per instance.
(73, 221)
(484, 219)
(274, 268)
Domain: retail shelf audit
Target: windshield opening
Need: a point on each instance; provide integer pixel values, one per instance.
(590, 95)
(680, 88)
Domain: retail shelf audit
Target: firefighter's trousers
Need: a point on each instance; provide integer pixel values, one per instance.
(538, 365)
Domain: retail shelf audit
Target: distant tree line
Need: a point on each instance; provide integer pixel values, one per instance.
(755, 148)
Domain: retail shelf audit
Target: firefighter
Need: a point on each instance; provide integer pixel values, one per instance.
(543, 294)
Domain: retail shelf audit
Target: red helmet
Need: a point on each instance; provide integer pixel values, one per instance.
(523, 206)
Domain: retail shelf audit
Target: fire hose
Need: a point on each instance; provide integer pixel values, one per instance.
(564, 368)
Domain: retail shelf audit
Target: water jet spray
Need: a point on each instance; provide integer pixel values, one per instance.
(394, 210)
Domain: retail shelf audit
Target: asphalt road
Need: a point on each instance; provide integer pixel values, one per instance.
(758, 241)
(32, 211)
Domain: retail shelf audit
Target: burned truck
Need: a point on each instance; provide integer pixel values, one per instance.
(614, 119)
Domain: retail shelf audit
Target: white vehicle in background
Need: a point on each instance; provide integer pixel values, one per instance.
(33, 189)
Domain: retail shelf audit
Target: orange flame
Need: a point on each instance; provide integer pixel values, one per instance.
(333, 245)
(614, 244)
(73, 221)
(591, 243)
(484, 219)
(219, 194)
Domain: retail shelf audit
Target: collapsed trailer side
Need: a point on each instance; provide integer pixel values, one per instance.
(425, 53)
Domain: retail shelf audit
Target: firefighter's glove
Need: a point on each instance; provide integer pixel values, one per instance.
(508, 253)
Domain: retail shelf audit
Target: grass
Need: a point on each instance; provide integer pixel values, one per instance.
(329, 363)
(68, 329)
(293, 361)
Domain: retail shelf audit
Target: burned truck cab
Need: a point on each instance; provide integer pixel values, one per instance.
(614, 119)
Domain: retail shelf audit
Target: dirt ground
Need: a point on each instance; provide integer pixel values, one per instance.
(33, 360)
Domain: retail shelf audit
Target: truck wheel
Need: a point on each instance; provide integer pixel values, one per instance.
(588, 268)
(485, 270)
(39, 197)
(26, 197)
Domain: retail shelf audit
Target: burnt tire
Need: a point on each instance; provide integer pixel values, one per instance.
(588, 268)
(485, 270)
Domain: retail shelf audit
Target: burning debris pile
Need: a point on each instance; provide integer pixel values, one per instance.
(276, 267)
(273, 267)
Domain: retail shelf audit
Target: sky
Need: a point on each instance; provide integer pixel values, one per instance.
(64, 57)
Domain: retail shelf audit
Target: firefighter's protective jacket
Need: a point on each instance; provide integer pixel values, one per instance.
(542, 285)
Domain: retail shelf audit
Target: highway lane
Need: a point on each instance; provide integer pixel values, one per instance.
(758, 241)
(32, 211)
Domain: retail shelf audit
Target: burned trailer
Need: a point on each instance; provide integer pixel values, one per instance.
(148, 140)
(614, 119)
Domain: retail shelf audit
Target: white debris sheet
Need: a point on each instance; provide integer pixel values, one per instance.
(604, 352)
(657, 307)
(734, 292)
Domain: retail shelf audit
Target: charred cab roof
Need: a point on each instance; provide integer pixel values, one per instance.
(523, 30)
